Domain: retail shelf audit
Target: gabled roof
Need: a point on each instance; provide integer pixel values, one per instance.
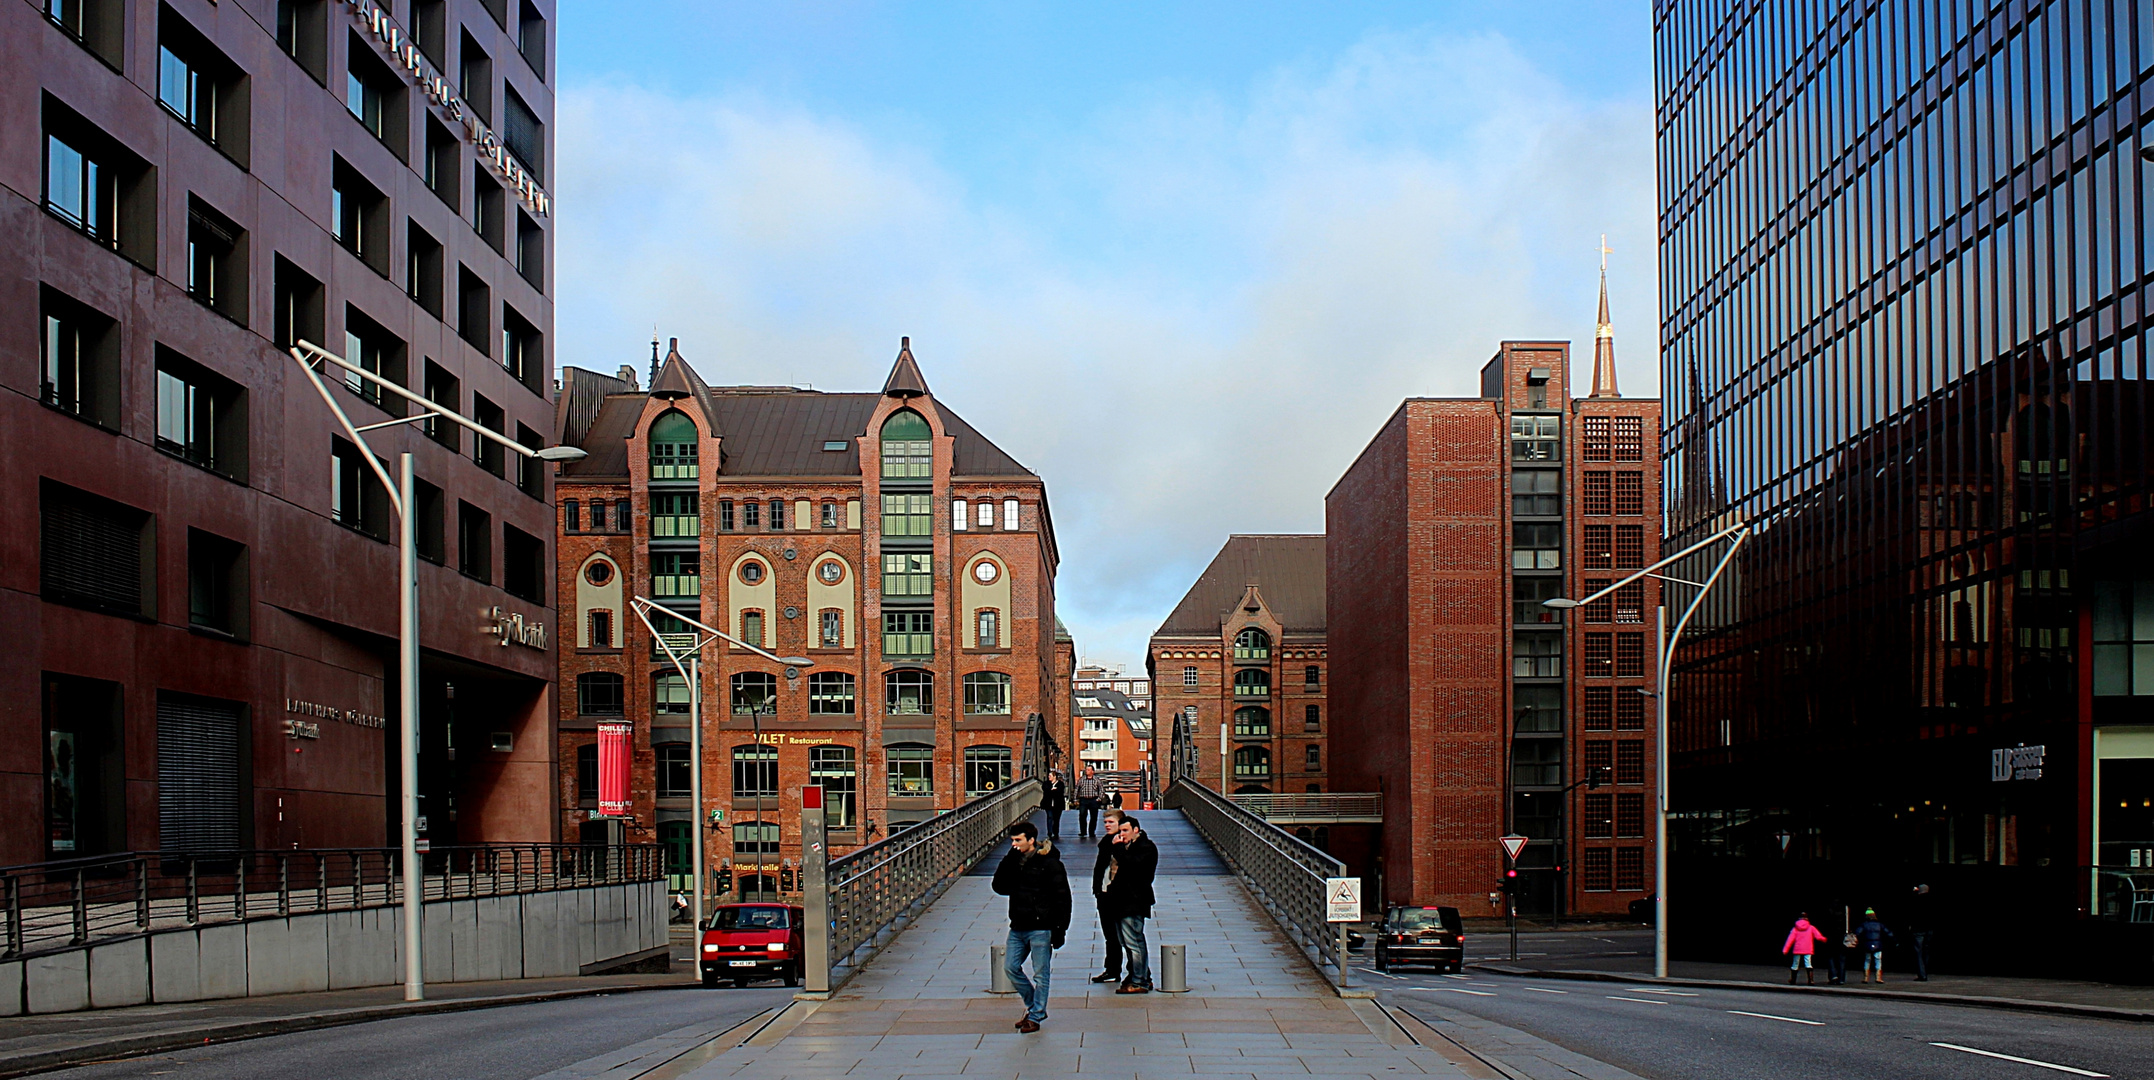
(675, 378)
(905, 380)
(1287, 570)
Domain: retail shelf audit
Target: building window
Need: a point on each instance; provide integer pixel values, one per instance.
(372, 348)
(1252, 645)
(601, 629)
(908, 515)
(1595, 876)
(725, 515)
(1630, 815)
(621, 520)
(374, 95)
(1596, 551)
(357, 500)
(1630, 869)
(673, 515)
(216, 583)
(201, 416)
(835, 769)
(958, 516)
(474, 310)
(1599, 708)
(1630, 603)
(524, 134)
(1527, 594)
(669, 630)
(216, 262)
(830, 515)
(1009, 515)
(358, 217)
(1630, 547)
(302, 35)
(431, 514)
(1189, 680)
(1312, 719)
(1252, 722)
(80, 360)
(777, 515)
(986, 514)
(988, 627)
(474, 542)
(911, 770)
(1629, 494)
(1599, 816)
(987, 693)
(1630, 710)
(1630, 438)
(1252, 683)
(1598, 655)
(1539, 492)
(672, 767)
(755, 692)
(830, 693)
(475, 78)
(1594, 442)
(487, 205)
(908, 448)
(1535, 438)
(1536, 546)
(908, 633)
(98, 25)
(600, 693)
(199, 86)
(446, 390)
(1537, 655)
(587, 773)
(1595, 498)
(95, 553)
(908, 575)
(1252, 764)
(1630, 761)
(833, 628)
(669, 692)
(523, 565)
(1598, 759)
(571, 516)
(676, 573)
(754, 839)
(909, 692)
(987, 770)
(443, 167)
(1312, 758)
(755, 772)
(1536, 762)
(422, 269)
(1312, 680)
(1630, 656)
(751, 627)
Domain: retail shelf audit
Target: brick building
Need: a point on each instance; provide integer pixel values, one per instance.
(198, 581)
(1123, 745)
(1476, 710)
(877, 534)
(1242, 660)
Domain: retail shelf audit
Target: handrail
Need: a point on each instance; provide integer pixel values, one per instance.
(1314, 807)
(1286, 874)
(70, 903)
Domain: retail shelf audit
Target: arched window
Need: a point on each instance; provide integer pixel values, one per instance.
(1252, 763)
(1252, 682)
(755, 772)
(987, 692)
(830, 693)
(1252, 722)
(909, 692)
(673, 447)
(755, 692)
(669, 695)
(908, 447)
(1252, 644)
(987, 770)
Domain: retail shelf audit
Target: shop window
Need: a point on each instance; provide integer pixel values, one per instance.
(836, 769)
(755, 772)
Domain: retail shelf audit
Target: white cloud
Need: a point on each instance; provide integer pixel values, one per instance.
(1190, 327)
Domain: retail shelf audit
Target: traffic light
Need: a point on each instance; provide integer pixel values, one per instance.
(1599, 777)
(1510, 880)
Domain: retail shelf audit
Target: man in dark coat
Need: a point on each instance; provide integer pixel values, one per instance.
(1031, 875)
(1110, 924)
(1129, 892)
(1054, 798)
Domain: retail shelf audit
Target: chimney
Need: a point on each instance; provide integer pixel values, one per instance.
(628, 375)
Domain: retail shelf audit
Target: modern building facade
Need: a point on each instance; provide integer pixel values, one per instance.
(876, 534)
(1124, 744)
(1904, 266)
(1475, 709)
(199, 586)
(1241, 662)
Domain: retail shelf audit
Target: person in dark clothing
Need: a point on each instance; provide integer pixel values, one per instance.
(1090, 791)
(1054, 798)
(1129, 891)
(1110, 924)
(1873, 935)
(1031, 875)
(1835, 948)
(1919, 929)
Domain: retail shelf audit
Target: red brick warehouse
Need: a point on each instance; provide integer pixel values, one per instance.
(877, 534)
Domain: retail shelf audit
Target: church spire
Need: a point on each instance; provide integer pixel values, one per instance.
(1604, 368)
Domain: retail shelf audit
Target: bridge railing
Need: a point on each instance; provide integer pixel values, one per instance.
(74, 902)
(1315, 808)
(1286, 874)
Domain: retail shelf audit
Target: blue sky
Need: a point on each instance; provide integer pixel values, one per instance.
(1180, 260)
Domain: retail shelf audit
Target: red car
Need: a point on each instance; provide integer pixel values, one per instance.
(752, 941)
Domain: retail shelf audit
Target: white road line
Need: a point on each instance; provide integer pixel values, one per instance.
(1641, 1001)
(1458, 976)
(2021, 1060)
(1651, 990)
(1463, 990)
(1545, 990)
(1782, 1019)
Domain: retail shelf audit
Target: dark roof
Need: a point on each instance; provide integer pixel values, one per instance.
(675, 379)
(905, 380)
(1288, 572)
(606, 440)
(1111, 703)
(582, 393)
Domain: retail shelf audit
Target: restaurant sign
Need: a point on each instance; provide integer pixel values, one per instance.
(2020, 762)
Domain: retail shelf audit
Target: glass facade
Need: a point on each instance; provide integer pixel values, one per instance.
(1903, 261)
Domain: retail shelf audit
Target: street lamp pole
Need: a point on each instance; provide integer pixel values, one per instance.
(400, 500)
(1740, 532)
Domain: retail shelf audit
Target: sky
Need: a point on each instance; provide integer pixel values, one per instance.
(1181, 260)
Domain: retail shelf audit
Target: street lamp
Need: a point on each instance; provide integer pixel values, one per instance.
(692, 670)
(400, 498)
(1740, 531)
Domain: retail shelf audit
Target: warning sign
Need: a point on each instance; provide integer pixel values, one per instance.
(1512, 845)
(1342, 899)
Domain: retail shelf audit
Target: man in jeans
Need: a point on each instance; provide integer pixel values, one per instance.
(1031, 875)
(1129, 894)
(1089, 792)
(1110, 925)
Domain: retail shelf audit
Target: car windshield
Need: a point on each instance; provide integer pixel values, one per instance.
(1426, 919)
(747, 918)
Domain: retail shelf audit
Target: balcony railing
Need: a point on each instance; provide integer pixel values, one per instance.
(680, 525)
(676, 585)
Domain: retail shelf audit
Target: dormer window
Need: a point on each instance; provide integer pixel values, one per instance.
(908, 447)
(673, 447)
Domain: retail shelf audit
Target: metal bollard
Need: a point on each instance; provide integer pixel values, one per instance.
(998, 979)
(1173, 969)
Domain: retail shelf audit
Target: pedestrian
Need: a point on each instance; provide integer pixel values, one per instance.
(1873, 936)
(1110, 924)
(1089, 793)
(1800, 946)
(1031, 875)
(1919, 928)
(1054, 798)
(1837, 948)
(1129, 892)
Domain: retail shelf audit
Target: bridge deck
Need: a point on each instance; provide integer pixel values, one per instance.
(1255, 1008)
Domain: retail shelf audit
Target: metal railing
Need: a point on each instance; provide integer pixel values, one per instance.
(71, 903)
(1284, 873)
(1325, 808)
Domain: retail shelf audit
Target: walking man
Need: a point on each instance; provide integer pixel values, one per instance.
(1054, 798)
(1089, 791)
(1129, 892)
(1031, 875)
(1110, 924)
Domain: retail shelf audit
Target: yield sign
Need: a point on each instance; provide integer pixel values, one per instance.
(1512, 845)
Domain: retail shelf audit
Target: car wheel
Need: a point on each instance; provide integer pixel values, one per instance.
(1383, 963)
(710, 981)
(1458, 968)
(792, 975)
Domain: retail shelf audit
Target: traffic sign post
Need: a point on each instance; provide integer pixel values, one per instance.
(1342, 905)
(1512, 845)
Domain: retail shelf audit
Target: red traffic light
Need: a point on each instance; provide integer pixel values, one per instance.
(1510, 873)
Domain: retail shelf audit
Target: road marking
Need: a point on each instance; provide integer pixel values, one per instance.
(1641, 1001)
(1782, 1019)
(2021, 1060)
(1651, 990)
(1463, 990)
(1458, 976)
(1545, 990)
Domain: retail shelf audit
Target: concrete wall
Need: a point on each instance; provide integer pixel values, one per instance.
(527, 936)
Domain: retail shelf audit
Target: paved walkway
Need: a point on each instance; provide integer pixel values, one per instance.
(1254, 1008)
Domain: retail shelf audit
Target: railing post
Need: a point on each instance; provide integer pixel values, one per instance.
(14, 916)
(321, 882)
(82, 911)
(815, 890)
(284, 884)
(142, 894)
(239, 890)
(194, 893)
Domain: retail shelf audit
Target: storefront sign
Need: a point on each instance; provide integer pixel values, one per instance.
(613, 769)
(772, 738)
(302, 729)
(2018, 763)
(513, 630)
(329, 712)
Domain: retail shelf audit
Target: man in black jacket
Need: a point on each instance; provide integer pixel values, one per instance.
(1129, 892)
(1031, 875)
(1110, 924)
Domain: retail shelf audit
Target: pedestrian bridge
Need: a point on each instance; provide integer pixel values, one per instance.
(1316, 808)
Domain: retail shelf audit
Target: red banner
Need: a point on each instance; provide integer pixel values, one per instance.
(613, 769)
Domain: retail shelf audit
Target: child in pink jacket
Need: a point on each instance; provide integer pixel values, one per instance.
(1801, 945)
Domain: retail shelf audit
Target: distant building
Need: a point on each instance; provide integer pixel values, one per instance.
(1112, 730)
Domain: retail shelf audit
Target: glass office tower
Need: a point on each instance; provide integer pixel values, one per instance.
(1904, 260)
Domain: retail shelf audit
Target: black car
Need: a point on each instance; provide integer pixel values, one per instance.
(1421, 935)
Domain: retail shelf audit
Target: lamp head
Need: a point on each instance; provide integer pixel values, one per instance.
(1559, 602)
(796, 661)
(561, 453)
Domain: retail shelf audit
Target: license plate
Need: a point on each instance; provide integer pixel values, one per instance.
(742, 963)
(1430, 941)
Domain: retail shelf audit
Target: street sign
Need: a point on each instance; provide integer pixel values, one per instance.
(1342, 899)
(1512, 845)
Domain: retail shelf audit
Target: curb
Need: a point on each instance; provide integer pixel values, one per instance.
(181, 1038)
(2061, 1008)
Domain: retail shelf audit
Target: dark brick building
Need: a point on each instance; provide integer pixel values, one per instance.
(198, 583)
(1473, 708)
(877, 534)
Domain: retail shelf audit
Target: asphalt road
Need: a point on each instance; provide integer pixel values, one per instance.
(1698, 1034)
(511, 1043)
